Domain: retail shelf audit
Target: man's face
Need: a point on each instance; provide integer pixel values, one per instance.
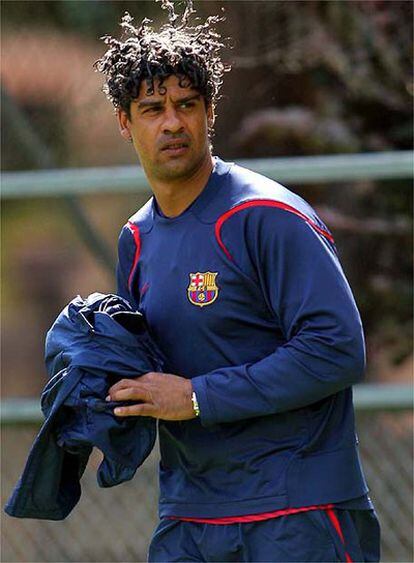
(170, 130)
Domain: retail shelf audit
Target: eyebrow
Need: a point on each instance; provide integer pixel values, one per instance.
(159, 103)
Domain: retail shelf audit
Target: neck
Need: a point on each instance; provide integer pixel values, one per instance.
(174, 196)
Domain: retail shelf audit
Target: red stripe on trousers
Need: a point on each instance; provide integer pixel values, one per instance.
(335, 522)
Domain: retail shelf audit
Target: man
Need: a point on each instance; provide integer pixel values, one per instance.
(242, 289)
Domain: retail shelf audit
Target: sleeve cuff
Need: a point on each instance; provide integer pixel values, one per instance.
(207, 414)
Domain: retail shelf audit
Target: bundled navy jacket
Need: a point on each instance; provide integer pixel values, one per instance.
(92, 344)
(245, 295)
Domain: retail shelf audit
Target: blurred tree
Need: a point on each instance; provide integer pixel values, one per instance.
(309, 77)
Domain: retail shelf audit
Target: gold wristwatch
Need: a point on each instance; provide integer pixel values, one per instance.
(196, 408)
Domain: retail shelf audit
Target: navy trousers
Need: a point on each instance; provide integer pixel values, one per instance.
(348, 535)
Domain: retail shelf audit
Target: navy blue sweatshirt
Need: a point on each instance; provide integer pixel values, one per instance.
(244, 294)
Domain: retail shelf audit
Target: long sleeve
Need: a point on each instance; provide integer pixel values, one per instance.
(304, 285)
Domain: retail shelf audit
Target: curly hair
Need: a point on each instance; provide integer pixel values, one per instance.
(193, 53)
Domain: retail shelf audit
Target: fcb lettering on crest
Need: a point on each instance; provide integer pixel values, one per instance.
(203, 289)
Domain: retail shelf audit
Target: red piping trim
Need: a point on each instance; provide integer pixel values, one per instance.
(335, 522)
(266, 203)
(251, 517)
(135, 232)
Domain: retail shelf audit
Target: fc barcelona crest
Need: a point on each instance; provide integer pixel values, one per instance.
(203, 289)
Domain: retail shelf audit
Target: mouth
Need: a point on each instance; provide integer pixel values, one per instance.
(175, 148)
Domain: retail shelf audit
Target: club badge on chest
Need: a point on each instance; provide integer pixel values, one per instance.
(202, 289)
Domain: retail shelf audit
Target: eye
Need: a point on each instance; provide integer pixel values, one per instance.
(152, 110)
(186, 105)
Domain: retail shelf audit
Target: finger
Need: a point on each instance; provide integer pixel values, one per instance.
(122, 384)
(131, 394)
(144, 409)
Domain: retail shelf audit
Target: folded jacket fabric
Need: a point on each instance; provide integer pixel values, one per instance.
(92, 344)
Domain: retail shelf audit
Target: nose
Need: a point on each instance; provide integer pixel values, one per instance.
(172, 122)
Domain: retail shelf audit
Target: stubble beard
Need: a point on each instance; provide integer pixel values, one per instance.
(181, 168)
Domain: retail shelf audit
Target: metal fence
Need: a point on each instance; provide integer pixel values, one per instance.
(111, 525)
(299, 169)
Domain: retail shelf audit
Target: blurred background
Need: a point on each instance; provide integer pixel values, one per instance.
(309, 78)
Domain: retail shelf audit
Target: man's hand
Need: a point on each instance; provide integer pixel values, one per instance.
(161, 395)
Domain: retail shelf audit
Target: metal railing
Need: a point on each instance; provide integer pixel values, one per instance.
(367, 397)
(303, 170)
(116, 524)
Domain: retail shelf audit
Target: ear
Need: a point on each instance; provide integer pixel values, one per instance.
(124, 124)
(211, 116)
